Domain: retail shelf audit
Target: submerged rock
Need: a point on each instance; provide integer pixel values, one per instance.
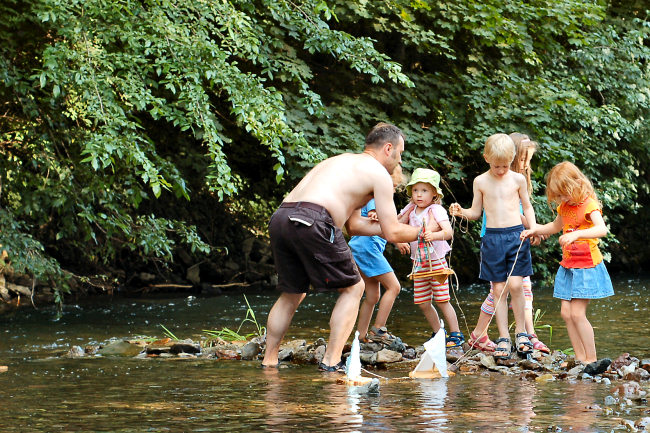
(120, 348)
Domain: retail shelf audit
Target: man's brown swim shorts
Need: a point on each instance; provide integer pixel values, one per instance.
(309, 249)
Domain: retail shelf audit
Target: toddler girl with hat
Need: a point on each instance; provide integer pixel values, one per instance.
(425, 210)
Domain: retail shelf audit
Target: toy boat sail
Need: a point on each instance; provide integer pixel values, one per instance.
(433, 363)
(353, 366)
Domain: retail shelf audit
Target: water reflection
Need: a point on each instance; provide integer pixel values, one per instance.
(433, 394)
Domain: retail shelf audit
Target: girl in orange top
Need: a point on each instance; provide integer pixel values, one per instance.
(582, 274)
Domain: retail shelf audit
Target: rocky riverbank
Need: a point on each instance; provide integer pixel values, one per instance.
(627, 376)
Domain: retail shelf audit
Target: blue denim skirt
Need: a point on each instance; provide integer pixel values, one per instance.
(583, 283)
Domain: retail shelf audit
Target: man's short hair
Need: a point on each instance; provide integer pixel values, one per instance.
(499, 147)
(383, 133)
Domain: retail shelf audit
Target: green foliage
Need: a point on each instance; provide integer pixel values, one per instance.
(169, 333)
(537, 318)
(230, 335)
(116, 114)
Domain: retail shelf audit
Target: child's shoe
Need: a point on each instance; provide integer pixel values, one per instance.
(380, 335)
(455, 339)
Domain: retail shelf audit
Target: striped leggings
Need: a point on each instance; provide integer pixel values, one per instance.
(488, 304)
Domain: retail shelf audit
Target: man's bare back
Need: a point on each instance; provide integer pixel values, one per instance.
(342, 184)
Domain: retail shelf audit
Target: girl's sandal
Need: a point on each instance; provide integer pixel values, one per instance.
(538, 345)
(484, 343)
(502, 349)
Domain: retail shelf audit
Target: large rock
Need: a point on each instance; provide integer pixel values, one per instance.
(120, 348)
(386, 356)
(250, 350)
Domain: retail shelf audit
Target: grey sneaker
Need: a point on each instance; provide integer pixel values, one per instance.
(380, 335)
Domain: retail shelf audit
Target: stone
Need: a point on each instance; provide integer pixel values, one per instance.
(645, 364)
(75, 352)
(185, 347)
(304, 356)
(643, 423)
(120, 348)
(250, 350)
(319, 353)
(629, 425)
(388, 356)
(227, 354)
(3, 368)
(285, 355)
(530, 364)
(547, 377)
(610, 401)
(367, 356)
(409, 353)
(628, 389)
(488, 362)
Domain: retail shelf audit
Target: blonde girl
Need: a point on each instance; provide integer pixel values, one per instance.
(582, 275)
(425, 210)
(525, 149)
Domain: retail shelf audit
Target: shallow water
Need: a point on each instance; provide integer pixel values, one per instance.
(42, 391)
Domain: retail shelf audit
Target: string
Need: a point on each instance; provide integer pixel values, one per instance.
(497, 302)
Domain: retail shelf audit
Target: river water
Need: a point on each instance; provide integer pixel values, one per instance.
(44, 391)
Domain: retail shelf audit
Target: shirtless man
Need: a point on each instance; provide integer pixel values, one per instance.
(308, 244)
(499, 191)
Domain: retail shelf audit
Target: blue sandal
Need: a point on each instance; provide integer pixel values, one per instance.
(507, 350)
(455, 339)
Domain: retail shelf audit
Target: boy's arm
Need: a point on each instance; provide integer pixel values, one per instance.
(527, 207)
(544, 229)
(474, 212)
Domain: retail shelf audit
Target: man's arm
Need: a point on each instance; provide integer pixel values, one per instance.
(392, 230)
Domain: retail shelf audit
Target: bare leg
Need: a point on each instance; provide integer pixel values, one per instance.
(482, 324)
(580, 331)
(516, 290)
(431, 315)
(278, 322)
(391, 290)
(344, 315)
(368, 305)
(501, 308)
(449, 314)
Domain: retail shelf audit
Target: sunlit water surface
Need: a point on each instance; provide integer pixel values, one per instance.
(43, 391)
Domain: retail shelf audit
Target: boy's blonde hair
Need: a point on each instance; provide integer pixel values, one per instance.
(565, 179)
(499, 147)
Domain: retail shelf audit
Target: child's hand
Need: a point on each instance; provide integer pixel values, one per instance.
(455, 209)
(568, 238)
(372, 214)
(526, 234)
(428, 236)
(403, 247)
(536, 240)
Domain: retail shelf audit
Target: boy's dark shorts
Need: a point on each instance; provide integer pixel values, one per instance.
(309, 249)
(499, 248)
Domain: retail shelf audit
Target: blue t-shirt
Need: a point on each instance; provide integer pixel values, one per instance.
(367, 242)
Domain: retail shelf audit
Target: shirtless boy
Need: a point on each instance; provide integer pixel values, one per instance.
(499, 192)
(308, 244)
